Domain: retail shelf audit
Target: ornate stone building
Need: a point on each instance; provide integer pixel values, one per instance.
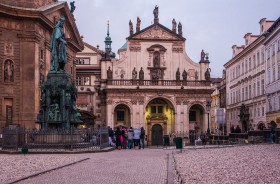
(245, 82)
(25, 30)
(272, 50)
(154, 84)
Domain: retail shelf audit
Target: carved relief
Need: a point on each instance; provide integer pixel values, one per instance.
(177, 49)
(8, 48)
(135, 47)
(133, 101)
(109, 102)
(178, 101)
(191, 73)
(156, 33)
(141, 100)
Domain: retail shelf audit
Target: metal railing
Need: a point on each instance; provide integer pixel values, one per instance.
(55, 139)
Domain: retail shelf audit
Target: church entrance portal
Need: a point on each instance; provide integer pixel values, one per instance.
(157, 135)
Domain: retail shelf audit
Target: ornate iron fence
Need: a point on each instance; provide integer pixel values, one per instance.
(55, 139)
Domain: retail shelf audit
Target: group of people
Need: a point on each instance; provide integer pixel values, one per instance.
(236, 129)
(123, 138)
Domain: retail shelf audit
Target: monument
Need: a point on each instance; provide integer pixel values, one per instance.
(58, 93)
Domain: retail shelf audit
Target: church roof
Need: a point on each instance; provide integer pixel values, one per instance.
(172, 35)
(124, 47)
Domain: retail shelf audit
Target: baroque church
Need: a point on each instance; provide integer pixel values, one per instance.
(154, 84)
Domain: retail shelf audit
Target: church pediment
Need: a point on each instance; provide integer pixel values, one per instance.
(156, 32)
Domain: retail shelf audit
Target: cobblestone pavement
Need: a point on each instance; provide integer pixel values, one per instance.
(251, 164)
(119, 166)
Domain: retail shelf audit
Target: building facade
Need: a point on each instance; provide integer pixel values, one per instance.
(272, 53)
(245, 82)
(154, 84)
(25, 31)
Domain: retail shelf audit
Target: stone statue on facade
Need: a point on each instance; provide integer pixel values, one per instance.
(109, 73)
(178, 75)
(185, 75)
(156, 14)
(58, 47)
(196, 75)
(174, 25)
(130, 28)
(202, 56)
(8, 71)
(156, 61)
(72, 7)
(134, 74)
(180, 29)
(138, 24)
(141, 74)
(207, 74)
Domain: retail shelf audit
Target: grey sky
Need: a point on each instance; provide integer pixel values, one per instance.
(212, 25)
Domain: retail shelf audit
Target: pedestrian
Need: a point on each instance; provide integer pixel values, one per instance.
(124, 135)
(130, 135)
(111, 136)
(142, 137)
(118, 134)
(136, 138)
(203, 138)
(237, 129)
(232, 129)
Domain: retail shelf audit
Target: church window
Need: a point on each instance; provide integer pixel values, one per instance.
(83, 61)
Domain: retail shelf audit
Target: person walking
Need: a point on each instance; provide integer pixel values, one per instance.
(142, 137)
(136, 138)
(130, 135)
(124, 135)
(118, 134)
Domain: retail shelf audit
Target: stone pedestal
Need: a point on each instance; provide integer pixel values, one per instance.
(58, 102)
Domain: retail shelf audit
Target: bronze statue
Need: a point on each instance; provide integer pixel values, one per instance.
(141, 74)
(109, 73)
(185, 75)
(174, 24)
(138, 24)
(180, 29)
(134, 74)
(130, 28)
(58, 47)
(178, 75)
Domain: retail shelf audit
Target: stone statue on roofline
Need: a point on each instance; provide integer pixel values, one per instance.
(138, 24)
(178, 75)
(174, 25)
(185, 75)
(141, 74)
(130, 28)
(72, 7)
(134, 74)
(156, 14)
(207, 74)
(180, 29)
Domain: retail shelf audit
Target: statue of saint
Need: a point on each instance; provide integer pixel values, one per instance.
(196, 75)
(156, 12)
(8, 71)
(185, 75)
(58, 47)
(72, 7)
(130, 28)
(134, 74)
(180, 29)
(141, 74)
(178, 75)
(156, 61)
(174, 25)
(207, 75)
(202, 55)
(138, 24)
(109, 73)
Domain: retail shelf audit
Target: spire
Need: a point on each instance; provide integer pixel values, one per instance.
(108, 42)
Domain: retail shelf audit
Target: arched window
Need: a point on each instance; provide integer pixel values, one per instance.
(8, 71)
(156, 59)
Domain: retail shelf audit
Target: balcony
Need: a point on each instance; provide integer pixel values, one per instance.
(158, 84)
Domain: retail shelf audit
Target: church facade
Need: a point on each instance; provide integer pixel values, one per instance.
(154, 84)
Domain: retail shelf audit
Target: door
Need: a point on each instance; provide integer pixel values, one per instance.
(157, 135)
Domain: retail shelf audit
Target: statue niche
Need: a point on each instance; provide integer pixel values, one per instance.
(156, 60)
(8, 71)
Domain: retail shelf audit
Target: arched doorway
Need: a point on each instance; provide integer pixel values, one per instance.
(159, 111)
(157, 135)
(196, 119)
(122, 116)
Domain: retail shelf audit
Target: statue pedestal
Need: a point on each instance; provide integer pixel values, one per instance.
(58, 102)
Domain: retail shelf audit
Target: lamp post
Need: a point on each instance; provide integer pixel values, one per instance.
(208, 106)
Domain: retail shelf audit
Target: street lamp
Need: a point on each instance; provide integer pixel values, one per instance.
(208, 106)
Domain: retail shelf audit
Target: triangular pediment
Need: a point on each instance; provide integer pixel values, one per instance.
(156, 32)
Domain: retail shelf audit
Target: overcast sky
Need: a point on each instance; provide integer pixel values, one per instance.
(212, 25)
